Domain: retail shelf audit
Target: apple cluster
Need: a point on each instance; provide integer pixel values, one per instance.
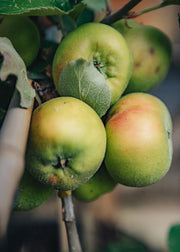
(71, 146)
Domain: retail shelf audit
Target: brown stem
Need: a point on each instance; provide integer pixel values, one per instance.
(120, 13)
(153, 8)
(70, 223)
(13, 139)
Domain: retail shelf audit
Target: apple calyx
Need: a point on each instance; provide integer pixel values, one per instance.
(61, 163)
(98, 66)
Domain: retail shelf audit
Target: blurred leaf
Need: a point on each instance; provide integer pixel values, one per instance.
(45, 56)
(125, 245)
(82, 80)
(30, 193)
(68, 24)
(40, 7)
(86, 16)
(13, 65)
(96, 5)
(75, 13)
(174, 239)
(172, 2)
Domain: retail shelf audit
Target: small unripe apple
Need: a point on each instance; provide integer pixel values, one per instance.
(104, 47)
(100, 184)
(139, 144)
(67, 143)
(24, 35)
(151, 51)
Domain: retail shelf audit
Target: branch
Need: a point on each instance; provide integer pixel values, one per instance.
(70, 223)
(123, 12)
(13, 139)
(153, 8)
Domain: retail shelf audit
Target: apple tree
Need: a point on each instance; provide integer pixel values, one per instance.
(75, 115)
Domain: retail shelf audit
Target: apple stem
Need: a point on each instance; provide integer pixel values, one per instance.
(70, 224)
(121, 13)
(155, 7)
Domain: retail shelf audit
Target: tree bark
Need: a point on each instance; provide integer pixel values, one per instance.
(122, 13)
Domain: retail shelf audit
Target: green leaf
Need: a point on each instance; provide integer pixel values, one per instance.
(13, 65)
(172, 2)
(40, 7)
(96, 5)
(173, 239)
(82, 80)
(86, 16)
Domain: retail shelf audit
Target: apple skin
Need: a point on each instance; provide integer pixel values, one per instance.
(100, 184)
(102, 45)
(23, 34)
(139, 144)
(67, 143)
(151, 51)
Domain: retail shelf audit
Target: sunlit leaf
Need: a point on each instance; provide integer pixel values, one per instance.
(40, 7)
(14, 65)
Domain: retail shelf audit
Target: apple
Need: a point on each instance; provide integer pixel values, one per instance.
(24, 35)
(139, 144)
(151, 51)
(104, 47)
(100, 184)
(30, 193)
(67, 143)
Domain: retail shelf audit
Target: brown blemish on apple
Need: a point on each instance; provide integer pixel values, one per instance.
(137, 64)
(52, 180)
(157, 69)
(111, 115)
(168, 134)
(151, 50)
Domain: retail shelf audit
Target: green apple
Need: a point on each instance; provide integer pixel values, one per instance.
(104, 47)
(24, 35)
(139, 144)
(30, 193)
(67, 143)
(100, 184)
(151, 51)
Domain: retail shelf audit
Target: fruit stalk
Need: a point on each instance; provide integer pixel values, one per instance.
(70, 224)
(121, 13)
(13, 139)
(153, 8)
